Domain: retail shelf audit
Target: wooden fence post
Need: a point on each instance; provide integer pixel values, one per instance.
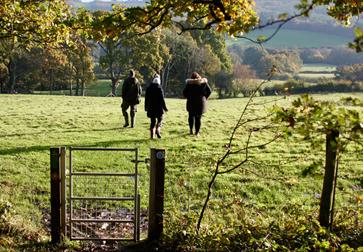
(55, 194)
(327, 195)
(156, 193)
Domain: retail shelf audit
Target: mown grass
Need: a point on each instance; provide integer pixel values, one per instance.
(280, 178)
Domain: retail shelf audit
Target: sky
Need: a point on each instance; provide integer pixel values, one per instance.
(87, 1)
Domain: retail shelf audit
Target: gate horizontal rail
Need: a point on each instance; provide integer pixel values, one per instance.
(102, 198)
(103, 149)
(103, 174)
(98, 220)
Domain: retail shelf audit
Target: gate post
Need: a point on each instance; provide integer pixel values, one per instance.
(55, 196)
(156, 193)
(63, 190)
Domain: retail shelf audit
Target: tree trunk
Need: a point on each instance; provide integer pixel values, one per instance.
(114, 84)
(12, 73)
(70, 88)
(77, 87)
(51, 84)
(327, 195)
(83, 87)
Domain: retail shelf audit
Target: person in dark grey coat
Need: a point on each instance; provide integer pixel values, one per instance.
(155, 106)
(197, 92)
(131, 93)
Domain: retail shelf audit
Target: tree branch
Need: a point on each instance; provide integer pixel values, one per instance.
(228, 151)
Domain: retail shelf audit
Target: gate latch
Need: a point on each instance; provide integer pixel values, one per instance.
(146, 160)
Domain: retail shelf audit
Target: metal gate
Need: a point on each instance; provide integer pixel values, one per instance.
(103, 204)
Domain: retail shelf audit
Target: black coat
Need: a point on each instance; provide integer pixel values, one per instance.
(131, 90)
(154, 100)
(197, 92)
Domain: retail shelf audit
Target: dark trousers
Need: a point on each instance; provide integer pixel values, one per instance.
(153, 122)
(133, 108)
(194, 120)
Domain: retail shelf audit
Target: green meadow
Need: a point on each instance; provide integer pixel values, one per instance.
(278, 189)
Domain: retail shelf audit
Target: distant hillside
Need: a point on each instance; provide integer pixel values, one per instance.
(294, 39)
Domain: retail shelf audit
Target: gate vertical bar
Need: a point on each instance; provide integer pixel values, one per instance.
(70, 193)
(138, 218)
(63, 190)
(156, 193)
(136, 221)
(55, 195)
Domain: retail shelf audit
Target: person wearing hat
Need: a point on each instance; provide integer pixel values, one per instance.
(155, 106)
(197, 92)
(131, 93)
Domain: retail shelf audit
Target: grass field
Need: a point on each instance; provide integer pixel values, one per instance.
(281, 183)
(286, 38)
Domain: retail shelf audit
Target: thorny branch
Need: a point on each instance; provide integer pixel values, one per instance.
(229, 151)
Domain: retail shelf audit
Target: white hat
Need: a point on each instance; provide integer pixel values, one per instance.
(156, 79)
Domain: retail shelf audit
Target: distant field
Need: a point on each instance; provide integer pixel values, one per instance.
(286, 38)
(318, 68)
(316, 75)
(317, 71)
(99, 88)
(260, 191)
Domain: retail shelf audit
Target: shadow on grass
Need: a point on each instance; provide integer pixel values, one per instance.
(62, 132)
(124, 143)
(141, 246)
(119, 143)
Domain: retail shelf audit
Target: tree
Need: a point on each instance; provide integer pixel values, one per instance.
(338, 125)
(182, 54)
(24, 24)
(80, 63)
(217, 43)
(286, 62)
(128, 51)
(43, 69)
(234, 17)
(350, 72)
(225, 16)
(3, 74)
(242, 81)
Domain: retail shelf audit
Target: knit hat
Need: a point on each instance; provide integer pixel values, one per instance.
(156, 79)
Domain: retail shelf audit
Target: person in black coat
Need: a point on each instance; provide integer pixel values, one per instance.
(197, 92)
(131, 93)
(155, 106)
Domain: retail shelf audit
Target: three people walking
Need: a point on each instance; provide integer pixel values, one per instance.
(155, 106)
(197, 92)
(131, 93)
